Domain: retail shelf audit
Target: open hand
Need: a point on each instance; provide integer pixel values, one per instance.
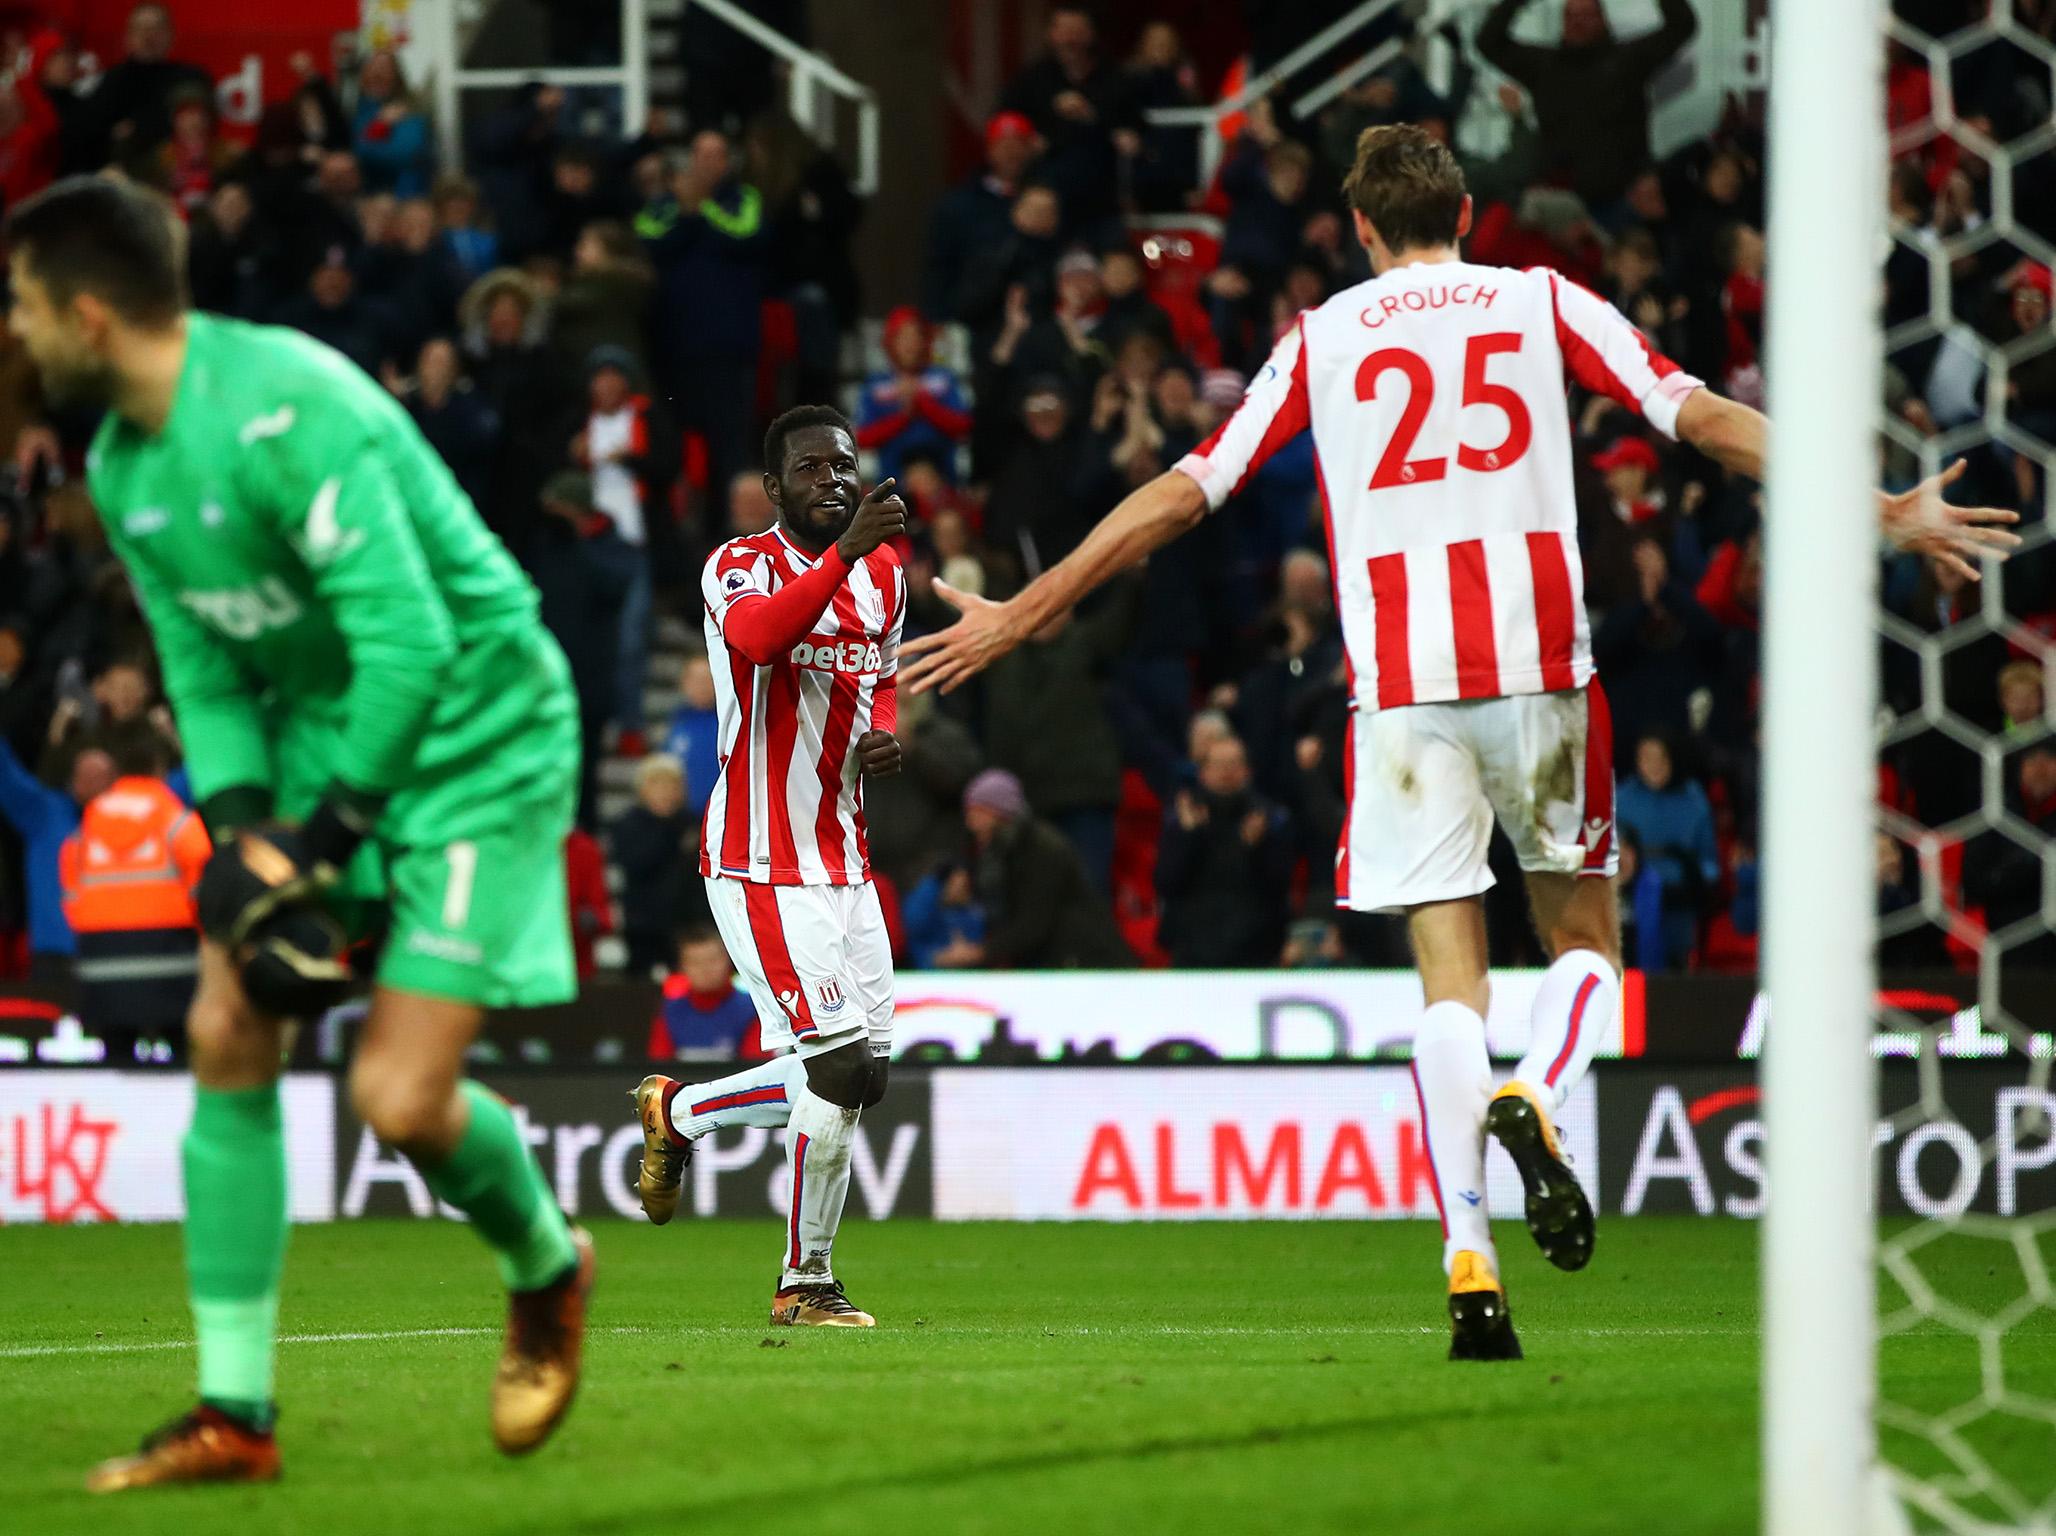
(1921, 522)
(951, 657)
(880, 516)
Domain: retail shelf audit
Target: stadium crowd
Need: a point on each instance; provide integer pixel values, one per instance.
(592, 332)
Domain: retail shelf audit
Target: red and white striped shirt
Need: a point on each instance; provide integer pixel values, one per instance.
(1442, 446)
(804, 654)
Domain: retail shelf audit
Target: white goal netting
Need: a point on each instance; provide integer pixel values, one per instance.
(1966, 1409)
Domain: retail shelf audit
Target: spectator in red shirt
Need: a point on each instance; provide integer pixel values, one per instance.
(913, 405)
(703, 1013)
(592, 911)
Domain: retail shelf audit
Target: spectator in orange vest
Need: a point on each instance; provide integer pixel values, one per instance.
(128, 875)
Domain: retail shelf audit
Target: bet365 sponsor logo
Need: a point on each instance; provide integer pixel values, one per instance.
(852, 656)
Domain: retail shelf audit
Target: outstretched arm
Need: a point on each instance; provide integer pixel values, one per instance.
(1146, 520)
(1272, 413)
(1918, 521)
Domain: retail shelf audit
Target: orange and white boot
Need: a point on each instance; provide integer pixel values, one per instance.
(1559, 1215)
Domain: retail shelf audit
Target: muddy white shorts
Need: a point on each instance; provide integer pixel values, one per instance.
(816, 959)
(1427, 780)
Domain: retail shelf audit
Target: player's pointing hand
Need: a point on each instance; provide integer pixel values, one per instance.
(880, 516)
(953, 656)
(1921, 522)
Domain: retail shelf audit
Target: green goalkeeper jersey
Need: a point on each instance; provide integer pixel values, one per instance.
(327, 604)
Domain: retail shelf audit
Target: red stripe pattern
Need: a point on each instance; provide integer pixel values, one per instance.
(1388, 606)
(1570, 1040)
(836, 736)
(767, 928)
(735, 774)
(1599, 827)
(1555, 619)
(742, 1099)
(799, 1186)
(1470, 602)
(793, 702)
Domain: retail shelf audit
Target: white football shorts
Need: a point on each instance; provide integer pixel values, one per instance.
(1427, 780)
(815, 958)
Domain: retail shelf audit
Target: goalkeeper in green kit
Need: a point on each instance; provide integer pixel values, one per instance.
(375, 720)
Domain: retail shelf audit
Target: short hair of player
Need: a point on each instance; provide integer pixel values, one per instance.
(1408, 185)
(115, 241)
(798, 419)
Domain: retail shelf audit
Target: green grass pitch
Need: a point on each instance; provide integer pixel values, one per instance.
(1047, 1379)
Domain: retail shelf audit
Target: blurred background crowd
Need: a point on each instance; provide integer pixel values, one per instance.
(592, 332)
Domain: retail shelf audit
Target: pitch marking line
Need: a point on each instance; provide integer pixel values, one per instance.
(1168, 1330)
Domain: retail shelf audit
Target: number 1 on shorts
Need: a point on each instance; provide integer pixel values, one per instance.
(463, 859)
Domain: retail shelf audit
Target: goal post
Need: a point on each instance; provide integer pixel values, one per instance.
(1824, 368)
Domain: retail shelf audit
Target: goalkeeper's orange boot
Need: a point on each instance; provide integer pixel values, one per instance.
(666, 1154)
(1480, 1326)
(821, 1304)
(1559, 1215)
(204, 1446)
(539, 1364)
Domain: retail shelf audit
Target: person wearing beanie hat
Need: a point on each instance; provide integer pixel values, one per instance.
(998, 792)
(913, 404)
(1042, 910)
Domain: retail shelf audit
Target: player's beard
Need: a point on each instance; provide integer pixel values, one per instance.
(77, 379)
(821, 525)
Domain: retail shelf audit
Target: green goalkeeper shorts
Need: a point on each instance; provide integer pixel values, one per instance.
(482, 919)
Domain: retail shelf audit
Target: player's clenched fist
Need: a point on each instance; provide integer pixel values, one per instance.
(879, 753)
(880, 516)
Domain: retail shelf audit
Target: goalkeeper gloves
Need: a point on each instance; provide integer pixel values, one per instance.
(259, 897)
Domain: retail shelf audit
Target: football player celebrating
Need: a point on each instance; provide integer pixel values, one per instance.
(1435, 393)
(803, 628)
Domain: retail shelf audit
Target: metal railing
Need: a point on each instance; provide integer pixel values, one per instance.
(1207, 119)
(631, 76)
(812, 81)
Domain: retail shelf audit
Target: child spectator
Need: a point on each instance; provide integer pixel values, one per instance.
(703, 1014)
(2021, 703)
(694, 735)
(648, 842)
(945, 922)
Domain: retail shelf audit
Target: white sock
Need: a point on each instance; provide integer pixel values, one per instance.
(1574, 1005)
(760, 1095)
(817, 1143)
(1453, 1078)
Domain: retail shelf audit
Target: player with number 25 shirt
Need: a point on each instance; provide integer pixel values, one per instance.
(803, 628)
(1435, 395)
